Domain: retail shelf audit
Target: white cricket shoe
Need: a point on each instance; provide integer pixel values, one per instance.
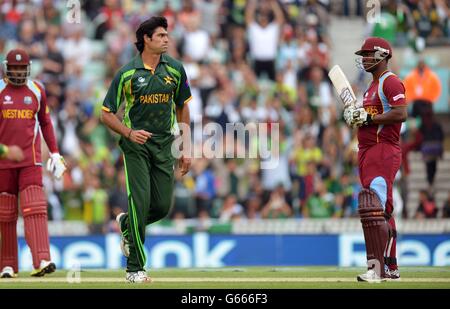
(124, 243)
(138, 277)
(392, 275)
(46, 267)
(370, 276)
(8, 272)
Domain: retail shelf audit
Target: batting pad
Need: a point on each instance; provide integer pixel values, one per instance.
(33, 203)
(8, 231)
(375, 227)
(8, 209)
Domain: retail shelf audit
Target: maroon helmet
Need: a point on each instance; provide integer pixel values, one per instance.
(381, 49)
(376, 44)
(17, 65)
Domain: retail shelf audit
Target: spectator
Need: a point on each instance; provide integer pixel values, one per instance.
(11, 13)
(252, 209)
(422, 88)
(446, 207)
(205, 190)
(310, 152)
(28, 39)
(108, 13)
(196, 42)
(279, 174)
(432, 147)
(277, 207)
(320, 204)
(50, 13)
(231, 209)
(187, 13)
(76, 48)
(95, 205)
(386, 25)
(53, 61)
(209, 10)
(236, 12)
(317, 90)
(344, 197)
(118, 196)
(263, 36)
(427, 207)
(184, 204)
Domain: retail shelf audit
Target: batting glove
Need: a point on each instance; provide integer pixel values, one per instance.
(357, 117)
(348, 115)
(361, 118)
(56, 165)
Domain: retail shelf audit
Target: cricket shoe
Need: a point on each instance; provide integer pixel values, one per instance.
(392, 275)
(370, 276)
(124, 243)
(138, 277)
(46, 267)
(8, 272)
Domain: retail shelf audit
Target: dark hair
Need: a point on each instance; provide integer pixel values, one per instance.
(148, 27)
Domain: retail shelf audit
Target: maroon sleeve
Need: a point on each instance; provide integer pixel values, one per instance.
(394, 91)
(46, 123)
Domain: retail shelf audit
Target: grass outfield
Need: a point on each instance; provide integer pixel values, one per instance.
(239, 277)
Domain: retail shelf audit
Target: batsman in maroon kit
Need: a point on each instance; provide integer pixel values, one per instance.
(378, 122)
(24, 113)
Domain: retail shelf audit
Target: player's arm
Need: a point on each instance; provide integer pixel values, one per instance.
(55, 164)
(250, 12)
(45, 123)
(182, 97)
(112, 122)
(111, 104)
(279, 16)
(357, 117)
(395, 115)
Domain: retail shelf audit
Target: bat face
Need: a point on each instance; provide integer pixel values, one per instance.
(342, 86)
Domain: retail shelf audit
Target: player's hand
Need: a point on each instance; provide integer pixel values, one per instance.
(56, 165)
(14, 153)
(139, 136)
(348, 115)
(357, 117)
(184, 164)
(361, 118)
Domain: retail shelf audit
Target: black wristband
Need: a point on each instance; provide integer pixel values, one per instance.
(369, 120)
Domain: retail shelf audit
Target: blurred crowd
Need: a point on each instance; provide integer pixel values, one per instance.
(417, 23)
(246, 61)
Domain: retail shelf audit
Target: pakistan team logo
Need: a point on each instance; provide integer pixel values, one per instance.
(27, 100)
(168, 79)
(141, 79)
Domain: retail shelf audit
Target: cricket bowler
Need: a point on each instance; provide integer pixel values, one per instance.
(155, 90)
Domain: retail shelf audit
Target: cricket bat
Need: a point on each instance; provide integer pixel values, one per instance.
(342, 86)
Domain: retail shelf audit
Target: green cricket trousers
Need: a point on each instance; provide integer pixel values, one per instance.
(149, 171)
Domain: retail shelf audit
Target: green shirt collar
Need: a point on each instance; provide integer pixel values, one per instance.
(139, 64)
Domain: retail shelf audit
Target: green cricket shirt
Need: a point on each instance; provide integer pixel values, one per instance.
(150, 95)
